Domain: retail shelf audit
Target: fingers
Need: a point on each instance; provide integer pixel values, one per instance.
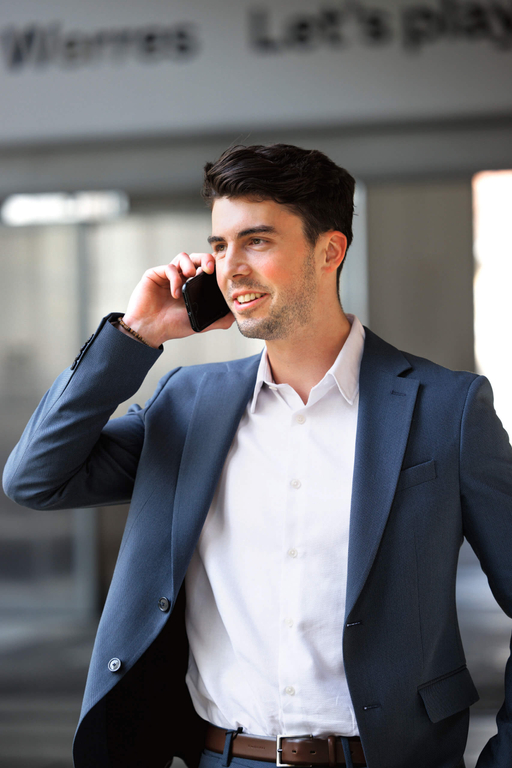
(184, 266)
(176, 280)
(188, 264)
(179, 270)
(206, 260)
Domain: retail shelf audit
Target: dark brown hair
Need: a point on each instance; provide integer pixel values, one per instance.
(306, 181)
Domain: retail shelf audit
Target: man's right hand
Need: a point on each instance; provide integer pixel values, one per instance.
(156, 309)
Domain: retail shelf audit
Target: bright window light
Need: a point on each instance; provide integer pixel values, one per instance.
(61, 208)
(492, 215)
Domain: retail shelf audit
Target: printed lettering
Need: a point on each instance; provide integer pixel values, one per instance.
(457, 19)
(32, 45)
(375, 25)
(502, 19)
(36, 45)
(421, 24)
(259, 37)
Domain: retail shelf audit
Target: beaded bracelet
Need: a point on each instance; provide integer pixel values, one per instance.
(132, 332)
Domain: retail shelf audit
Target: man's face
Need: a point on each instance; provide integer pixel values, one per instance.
(265, 267)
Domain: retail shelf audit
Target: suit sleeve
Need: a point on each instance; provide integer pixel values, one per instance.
(70, 455)
(486, 493)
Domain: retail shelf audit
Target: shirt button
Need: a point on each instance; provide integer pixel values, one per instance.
(295, 484)
(292, 552)
(300, 419)
(288, 622)
(290, 690)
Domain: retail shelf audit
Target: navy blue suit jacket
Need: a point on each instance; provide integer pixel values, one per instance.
(432, 465)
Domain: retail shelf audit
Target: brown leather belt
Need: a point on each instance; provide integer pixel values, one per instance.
(287, 750)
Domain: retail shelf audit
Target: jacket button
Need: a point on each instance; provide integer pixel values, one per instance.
(114, 665)
(164, 604)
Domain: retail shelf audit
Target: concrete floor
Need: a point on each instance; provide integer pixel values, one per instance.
(43, 667)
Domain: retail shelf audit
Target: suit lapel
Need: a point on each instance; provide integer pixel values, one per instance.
(219, 405)
(386, 404)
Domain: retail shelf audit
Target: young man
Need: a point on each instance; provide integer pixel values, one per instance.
(313, 501)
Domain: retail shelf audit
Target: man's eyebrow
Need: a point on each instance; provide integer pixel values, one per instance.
(262, 229)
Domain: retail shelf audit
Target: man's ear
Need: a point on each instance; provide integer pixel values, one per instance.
(335, 250)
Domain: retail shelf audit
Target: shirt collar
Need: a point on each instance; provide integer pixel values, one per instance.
(344, 370)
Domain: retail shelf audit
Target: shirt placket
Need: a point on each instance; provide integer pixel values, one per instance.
(293, 552)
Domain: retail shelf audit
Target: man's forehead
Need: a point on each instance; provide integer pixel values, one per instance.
(232, 216)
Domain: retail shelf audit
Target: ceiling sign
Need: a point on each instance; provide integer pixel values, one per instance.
(95, 70)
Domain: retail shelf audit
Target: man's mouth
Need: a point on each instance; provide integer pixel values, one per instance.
(247, 297)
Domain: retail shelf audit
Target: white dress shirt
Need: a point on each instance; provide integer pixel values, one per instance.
(266, 585)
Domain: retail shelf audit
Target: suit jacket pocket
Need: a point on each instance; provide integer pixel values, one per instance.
(448, 694)
(420, 473)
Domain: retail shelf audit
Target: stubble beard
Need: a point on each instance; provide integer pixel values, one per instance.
(295, 310)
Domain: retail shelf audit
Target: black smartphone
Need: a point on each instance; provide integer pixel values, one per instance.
(204, 301)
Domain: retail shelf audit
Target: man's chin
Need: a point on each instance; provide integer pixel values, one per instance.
(249, 330)
(258, 329)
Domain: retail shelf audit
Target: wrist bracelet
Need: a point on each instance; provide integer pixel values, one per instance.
(132, 332)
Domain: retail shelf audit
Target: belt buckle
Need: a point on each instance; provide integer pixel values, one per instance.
(279, 751)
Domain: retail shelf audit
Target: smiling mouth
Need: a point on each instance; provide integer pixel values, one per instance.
(246, 298)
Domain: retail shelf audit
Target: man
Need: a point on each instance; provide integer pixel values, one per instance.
(314, 502)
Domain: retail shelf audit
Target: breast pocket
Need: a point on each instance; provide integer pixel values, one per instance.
(420, 473)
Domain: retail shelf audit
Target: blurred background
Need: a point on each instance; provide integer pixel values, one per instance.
(108, 113)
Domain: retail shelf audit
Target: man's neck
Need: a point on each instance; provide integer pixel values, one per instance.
(303, 361)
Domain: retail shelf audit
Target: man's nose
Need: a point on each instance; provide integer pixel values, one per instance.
(235, 262)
